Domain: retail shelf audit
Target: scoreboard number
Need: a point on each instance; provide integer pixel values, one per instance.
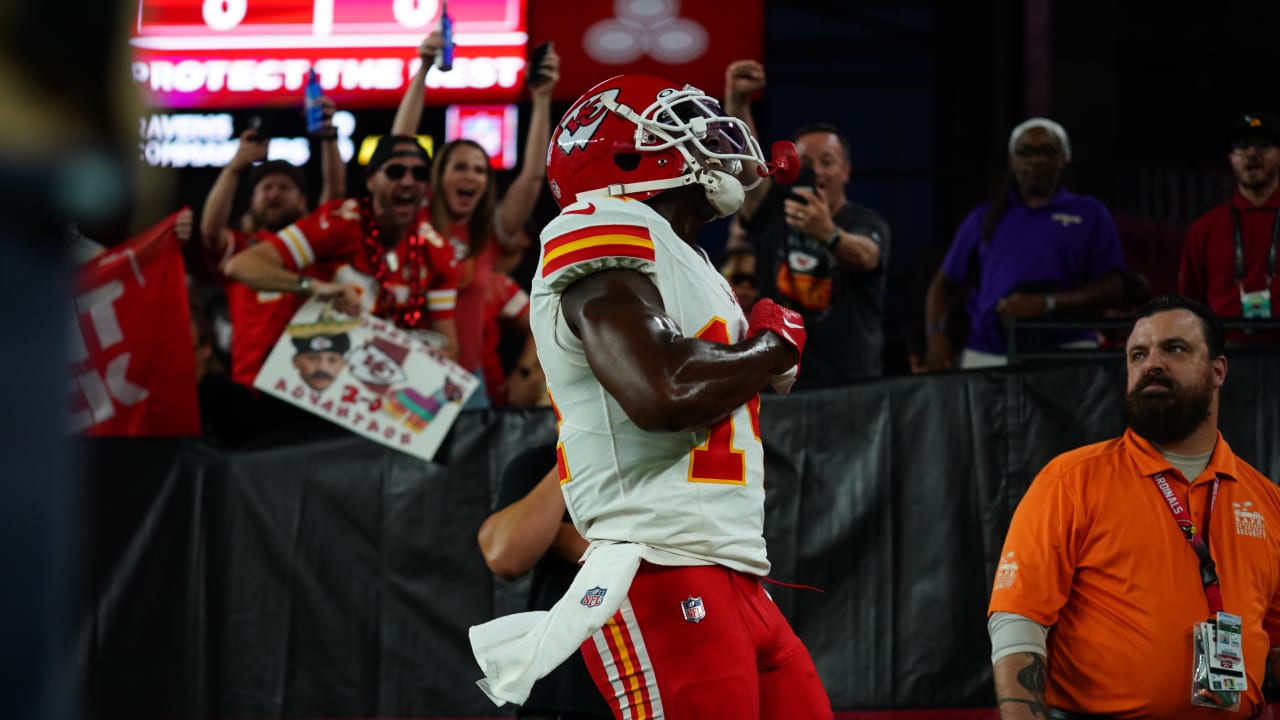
(224, 14)
(414, 13)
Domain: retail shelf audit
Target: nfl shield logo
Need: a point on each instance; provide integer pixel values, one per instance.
(593, 597)
(693, 609)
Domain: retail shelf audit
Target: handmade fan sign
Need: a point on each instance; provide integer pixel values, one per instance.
(369, 376)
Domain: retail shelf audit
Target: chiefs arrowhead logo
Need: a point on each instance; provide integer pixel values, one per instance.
(581, 125)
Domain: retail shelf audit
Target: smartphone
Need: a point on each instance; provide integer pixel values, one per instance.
(806, 179)
(533, 73)
(254, 123)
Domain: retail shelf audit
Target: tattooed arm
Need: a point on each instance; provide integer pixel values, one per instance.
(1020, 683)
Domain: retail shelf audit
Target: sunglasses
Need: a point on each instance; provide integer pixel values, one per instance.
(395, 171)
(741, 279)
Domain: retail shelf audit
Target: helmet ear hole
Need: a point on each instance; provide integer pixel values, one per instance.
(626, 162)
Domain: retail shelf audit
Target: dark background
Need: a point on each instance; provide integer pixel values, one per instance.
(928, 91)
(317, 574)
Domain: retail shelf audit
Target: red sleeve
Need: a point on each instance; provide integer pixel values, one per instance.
(442, 282)
(331, 233)
(509, 299)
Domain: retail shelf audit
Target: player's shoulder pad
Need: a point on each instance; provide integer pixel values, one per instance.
(595, 234)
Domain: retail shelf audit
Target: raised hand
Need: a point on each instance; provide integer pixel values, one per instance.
(811, 217)
(550, 74)
(742, 79)
(252, 149)
(183, 224)
(429, 46)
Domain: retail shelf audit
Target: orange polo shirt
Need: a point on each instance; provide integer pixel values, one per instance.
(1093, 552)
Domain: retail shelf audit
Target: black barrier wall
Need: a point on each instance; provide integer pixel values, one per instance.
(323, 575)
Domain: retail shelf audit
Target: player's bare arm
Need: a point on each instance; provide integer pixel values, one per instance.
(1020, 684)
(217, 204)
(663, 380)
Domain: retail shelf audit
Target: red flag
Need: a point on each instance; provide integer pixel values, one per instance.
(688, 43)
(132, 364)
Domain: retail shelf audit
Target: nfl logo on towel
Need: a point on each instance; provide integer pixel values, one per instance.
(593, 597)
(693, 609)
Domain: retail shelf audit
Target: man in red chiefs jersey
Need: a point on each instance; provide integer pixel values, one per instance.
(388, 260)
(278, 198)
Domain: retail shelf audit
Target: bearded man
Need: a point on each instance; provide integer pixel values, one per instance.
(1125, 548)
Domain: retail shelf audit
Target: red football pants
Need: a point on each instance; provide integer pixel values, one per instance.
(741, 661)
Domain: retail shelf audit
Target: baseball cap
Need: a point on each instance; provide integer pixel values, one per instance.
(1253, 124)
(396, 146)
(338, 343)
(277, 167)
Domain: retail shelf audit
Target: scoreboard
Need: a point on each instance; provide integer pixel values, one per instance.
(227, 54)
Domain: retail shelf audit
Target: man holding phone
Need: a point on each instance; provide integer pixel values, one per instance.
(277, 198)
(816, 252)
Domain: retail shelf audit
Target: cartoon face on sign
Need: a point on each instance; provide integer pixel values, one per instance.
(580, 126)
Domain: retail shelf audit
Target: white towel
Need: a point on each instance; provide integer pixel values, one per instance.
(516, 651)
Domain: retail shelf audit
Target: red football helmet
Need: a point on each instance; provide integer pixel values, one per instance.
(637, 135)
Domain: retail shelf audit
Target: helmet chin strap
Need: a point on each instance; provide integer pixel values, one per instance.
(724, 191)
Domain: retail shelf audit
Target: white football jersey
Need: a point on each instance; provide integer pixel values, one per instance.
(697, 495)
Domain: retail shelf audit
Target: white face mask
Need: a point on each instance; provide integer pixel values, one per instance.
(724, 191)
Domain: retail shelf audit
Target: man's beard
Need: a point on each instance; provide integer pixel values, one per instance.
(1261, 183)
(274, 220)
(1168, 417)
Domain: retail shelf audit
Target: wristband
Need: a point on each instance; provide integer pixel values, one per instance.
(835, 240)
(1049, 304)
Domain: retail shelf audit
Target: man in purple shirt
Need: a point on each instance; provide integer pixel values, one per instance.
(1035, 250)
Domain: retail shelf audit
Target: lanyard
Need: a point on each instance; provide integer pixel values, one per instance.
(1198, 538)
(1271, 254)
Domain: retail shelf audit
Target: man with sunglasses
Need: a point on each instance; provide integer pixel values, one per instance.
(390, 262)
(1230, 255)
(1034, 250)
